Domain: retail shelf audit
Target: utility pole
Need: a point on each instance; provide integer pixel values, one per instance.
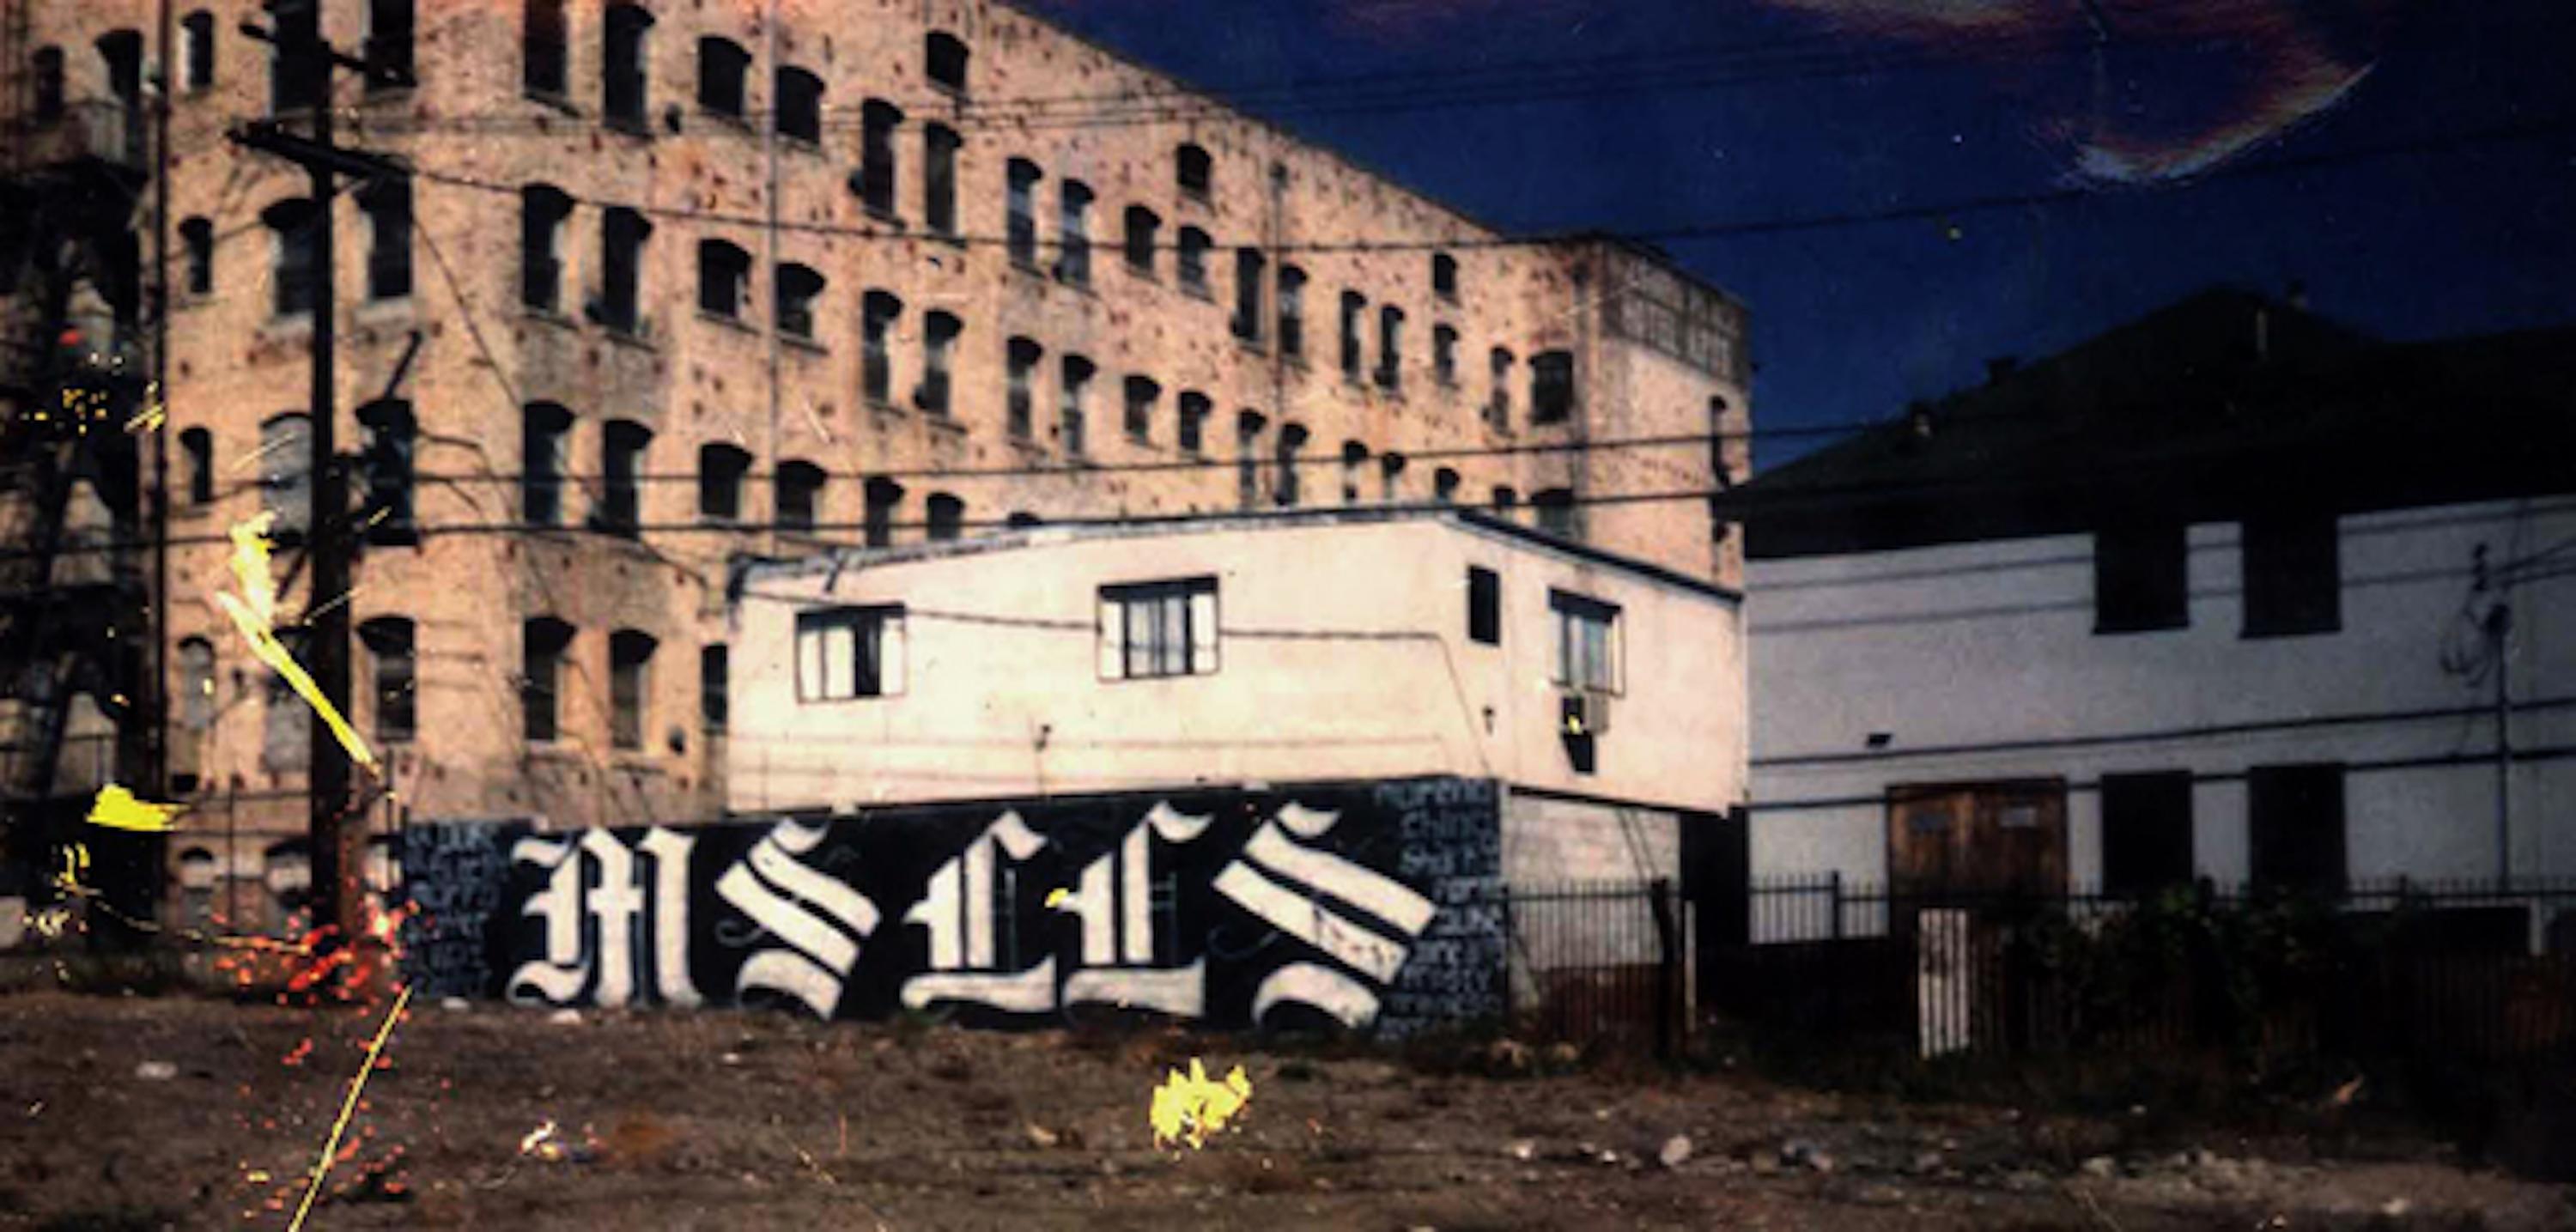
(337, 853)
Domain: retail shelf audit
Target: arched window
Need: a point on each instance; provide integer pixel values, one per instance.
(285, 473)
(199, 445)
(389, 44)
(1141, 395)
(797, 287)
(1444, 354)
(544, 431)
(1194, 170)
(877, 122)
(800, 105)
(292, 284)
(1444, 485)
(197, 236)
(543, 643)
(1073, 259)
(197, 29)
(542, 211)
(196, 684)
(1021, 183)
(541, 47)
(1444, 276)
(1077, 380)
(386, 469)
(1020, 394)
(1248, 266)
(622, 233)
(389, 646)
(49, 84)
(1355, 458)
(1194, 409)
(878, 311)
(630, 658)
(938, 345)
(1292, 311)
(1247, 457)
(939, 146)
(721, 469)
(1498, 409)
(286, 721)
(724, 275)
(946, 57)
(1552, 387)
(1142, 227)
(947, 516)
(1556, 512)
(722, 64)
(883, 497)
(622, 444)
(623, 75)
(800, 495)
(1192, 261)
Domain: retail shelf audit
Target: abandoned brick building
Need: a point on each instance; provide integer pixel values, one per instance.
(697, 283)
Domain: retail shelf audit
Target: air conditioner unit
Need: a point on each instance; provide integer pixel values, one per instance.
(1584, 713)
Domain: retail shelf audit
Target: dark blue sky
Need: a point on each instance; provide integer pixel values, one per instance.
(1970, 99)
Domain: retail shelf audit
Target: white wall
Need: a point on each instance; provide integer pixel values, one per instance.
(1012, 704)
(1992, 643)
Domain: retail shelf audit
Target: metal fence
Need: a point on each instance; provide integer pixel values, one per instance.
(1600, 963)
(2470, 969)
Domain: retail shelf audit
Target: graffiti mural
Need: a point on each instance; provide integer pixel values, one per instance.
(1368, 906)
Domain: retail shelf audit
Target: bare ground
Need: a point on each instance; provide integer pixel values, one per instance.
(743, 1120)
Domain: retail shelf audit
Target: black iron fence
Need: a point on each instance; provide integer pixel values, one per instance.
(2468, 970)
(1600, 964)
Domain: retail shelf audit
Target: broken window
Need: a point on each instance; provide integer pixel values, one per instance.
(724, 274)
(877, 122)
(1142, 226)
(622, 234)
(1552, 387)
(797, 287)
(938, 343)
(198, 29)
(1444, 485)
(1141, 393)
(1194, 170)
(1390, 358)
(2140, 579)
(877, 314)
(1021, 397)
(1556, 512)
(1354, 305)
(286, 719)
(800, 105)
(1444, 276)
(292, 224)
(543, 642)
(541, 48)
(1073, 263)
(722, 65)
(1507, 502)
(2295, 820)
(1292, 311)
(1191, 262)
(947, 516)
(1022, 206)
(1355, 458)
(295, 82)
(542, 211)
(721, 471)
(49, 84)
(544, 428)
(849, 652)
(884, 496)
(387, 204)
(630, 659)
(623, 60)
(1292, 437)
(1077, 380)
(1498, 408)
(388, 640)
(1194, 409)
(389, 44)
(386, 467)
(2293, 575)
(1248, 266)
(286, 473)
(197, 236)
(622, 444)
(799, 495)
(945, 55)
(1247, 468)
(1444, 354)
(1158, 629)
(715, 686)
(199, 445)
(2146, 832)
(939, 146)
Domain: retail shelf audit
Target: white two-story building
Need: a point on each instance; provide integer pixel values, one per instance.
(2228, 593)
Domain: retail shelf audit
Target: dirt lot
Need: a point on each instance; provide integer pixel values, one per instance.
(120, 1112)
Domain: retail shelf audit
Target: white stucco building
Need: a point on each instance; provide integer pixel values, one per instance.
(1604, 694)
(2215, 596)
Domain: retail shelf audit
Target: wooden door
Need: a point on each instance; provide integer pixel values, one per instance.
(1977, 838)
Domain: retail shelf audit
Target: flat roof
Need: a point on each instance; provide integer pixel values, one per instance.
(1053, 534)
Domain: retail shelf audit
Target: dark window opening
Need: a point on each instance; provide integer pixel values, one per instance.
(389, 44)
(722, 66)
(1444, 354)
(1292, 311)
(1556, 512)
(1247, 461)
(199, 445)
(1354, 306)
(877, 122)
(1194, 410)
(295, 82)
(386, 468)
(1355, 456)
(2146, 832)
(721, 471)
(1292, 437)
(797, 287)
(1158, 629)
(543, 209)
(2295, 819)
(1077, 379)
(622, 445)
(800, 105)
(715, 686)
(389, 644)
(542, 644)
(543, 430)
(286, 474)
(293, 283)
(1390, 469)
(1141, 394)
(1390, 358)
(878, 312)
(947, 517)
(630, 660)
(1021, 397)
(2140, 576)
(884, 496)
(1506, 501)
(1073, 263)
(2293, 576)
(388, 207)
(1248, 265)
(939, 146)
(1552, 387)
(938, 343)
(724, 274)
(1444, 276)
(541, 48)
(1194, 170)
(622, 235)
(199, 29)
(1191, 261)
(1022, 183)
(799, 493)
(1444, 485)
(197, 235)
(1484, 606)
(623, 75)
(49, 84)
(946, 57)
(1142, 226)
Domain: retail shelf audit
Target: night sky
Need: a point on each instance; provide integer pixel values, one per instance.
(2153, 118)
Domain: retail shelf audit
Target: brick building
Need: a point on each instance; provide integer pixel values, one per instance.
(699, 283)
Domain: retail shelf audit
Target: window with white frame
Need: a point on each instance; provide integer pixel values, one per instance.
(1587, 642)
(1153, 629)
(849, 652)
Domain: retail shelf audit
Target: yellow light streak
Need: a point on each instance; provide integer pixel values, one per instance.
(349, 1108)
(255, 612)
(119, 809)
